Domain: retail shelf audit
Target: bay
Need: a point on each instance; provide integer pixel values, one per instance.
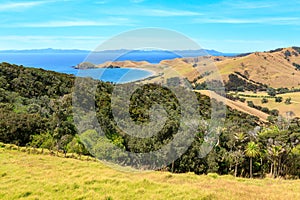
(65, 62)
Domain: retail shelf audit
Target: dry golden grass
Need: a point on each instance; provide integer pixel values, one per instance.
(27, 176)
(237, 105)
(273, 69)
(282, 107)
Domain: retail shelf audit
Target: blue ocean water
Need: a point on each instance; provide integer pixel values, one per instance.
(65, 62)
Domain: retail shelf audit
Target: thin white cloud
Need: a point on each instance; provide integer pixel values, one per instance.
(234, 45)
(137, 1)
(76, 23)
(270, 20)
(149, 12)
(200, 40)
(41, 41)
(101, 2)
(169, 13)
(247, 41)
(11, 6)
(250, 4)
(42, 37)
(258, 4)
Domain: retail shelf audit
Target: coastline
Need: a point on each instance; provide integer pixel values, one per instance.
(153, 69)
(152, 74)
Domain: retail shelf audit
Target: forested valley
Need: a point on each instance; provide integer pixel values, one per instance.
(36, 111)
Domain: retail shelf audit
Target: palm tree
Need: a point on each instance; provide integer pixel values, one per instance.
(238, 154)
(240, 137)
(275, 153)
(252, 151)
(236, 157)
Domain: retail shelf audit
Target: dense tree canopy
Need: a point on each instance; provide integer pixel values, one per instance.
(36, 110)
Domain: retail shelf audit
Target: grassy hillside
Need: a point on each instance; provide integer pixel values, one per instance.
(276, 68)
(27, 176)
(236, 105)
(282, 107)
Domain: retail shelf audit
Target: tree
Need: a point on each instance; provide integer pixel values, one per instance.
(242, 100)
(235, 157)
(274, 112)
(43, 140)
(264, 100)
(250, 104)
(271, 92)
(76, 146)
(236, 154)
(288, 100)
(278, 99)
(274, 154)
(240, 89)
(252, 151)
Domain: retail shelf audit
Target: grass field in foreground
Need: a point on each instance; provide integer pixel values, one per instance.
(27, 176)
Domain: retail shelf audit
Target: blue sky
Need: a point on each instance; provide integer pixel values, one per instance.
(228, 26)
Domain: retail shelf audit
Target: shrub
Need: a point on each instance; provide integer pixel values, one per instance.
(250, 104)
(213, 175)
(296, 49)
(288, 100)
(264, 100)
(271, 92)
(240, 89)
(274, 112)
(287, 53)
(257, 107)
(278, 99)
(242, 100)
(265, 110)
(297, 66)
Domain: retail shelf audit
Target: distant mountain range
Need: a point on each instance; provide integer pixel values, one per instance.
(49, 50)
(183, 53)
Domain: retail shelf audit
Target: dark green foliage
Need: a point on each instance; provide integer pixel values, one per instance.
(34, 102)
(263, 109)
(201, 86)
(250, 104)
(173, 82)
(242, 100)
(278, 99)
(296, 49)
(274, 112)
(240, 89)
(288, 100)
(264, 100)
(245, 75)
(18, 128)
(30, 82)
(243, 54)
(276, 50)
(282, 90)
(43, 118)
(287, 53)
(271, 92)
(297, 66)
(235, 84)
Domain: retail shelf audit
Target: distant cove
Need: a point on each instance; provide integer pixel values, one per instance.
(64, 63)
